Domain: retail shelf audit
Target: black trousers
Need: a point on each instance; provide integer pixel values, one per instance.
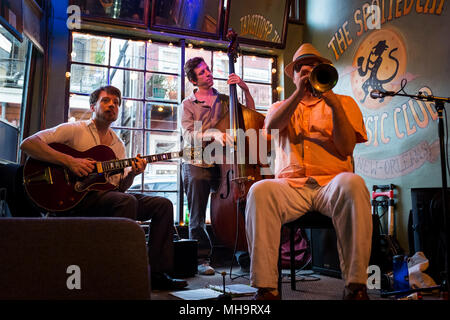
(198, 182)
(11, 179)
(139, 207)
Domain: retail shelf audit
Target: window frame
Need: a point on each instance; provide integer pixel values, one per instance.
(183, 45)
(143, 23)
(178, 30)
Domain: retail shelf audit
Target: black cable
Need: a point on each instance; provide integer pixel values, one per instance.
(446, 140)
(385, 208)
(402, 86)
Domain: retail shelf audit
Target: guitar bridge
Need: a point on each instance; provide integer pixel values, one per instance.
(41, 176)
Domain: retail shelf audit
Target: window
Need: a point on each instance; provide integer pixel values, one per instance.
(148, 74)
(13, 67)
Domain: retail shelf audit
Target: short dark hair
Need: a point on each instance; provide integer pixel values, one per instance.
(190, 66)
(93, 98)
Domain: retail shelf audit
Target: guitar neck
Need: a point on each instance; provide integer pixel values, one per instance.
(113, 165)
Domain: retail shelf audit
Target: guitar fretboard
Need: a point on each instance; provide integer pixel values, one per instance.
(112, 165)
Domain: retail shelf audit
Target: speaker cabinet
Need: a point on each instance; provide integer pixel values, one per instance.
(185, 258)
(325, 259)
(428, 228)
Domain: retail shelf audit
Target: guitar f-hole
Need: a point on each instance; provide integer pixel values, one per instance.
(229, 173)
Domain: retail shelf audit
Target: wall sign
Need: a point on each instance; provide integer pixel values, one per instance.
(193, 17)
(261, 23)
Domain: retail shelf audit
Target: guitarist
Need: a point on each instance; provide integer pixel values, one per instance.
(83, 135)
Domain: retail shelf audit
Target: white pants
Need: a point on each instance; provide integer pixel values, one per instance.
(272, 203)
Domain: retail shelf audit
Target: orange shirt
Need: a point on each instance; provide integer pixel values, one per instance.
(305, 148)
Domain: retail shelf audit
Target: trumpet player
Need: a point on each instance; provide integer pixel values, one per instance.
(318, 131)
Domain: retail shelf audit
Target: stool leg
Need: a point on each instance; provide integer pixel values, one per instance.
(280, 279)
(292, 256)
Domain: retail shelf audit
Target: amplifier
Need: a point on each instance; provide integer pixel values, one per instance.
(429, 228)
(325, 258)
(185, 258)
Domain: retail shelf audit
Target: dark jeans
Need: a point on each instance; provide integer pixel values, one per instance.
(198, 182)
(142, 208)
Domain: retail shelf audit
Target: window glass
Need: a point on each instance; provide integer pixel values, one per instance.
(133, 140)
(221, 65)
(13, 57)
(262, 94)
(188, 87)
(161, 116)
(162, 142)
(128, 54)
(13, 68)
(163, 58)
(162, 175)
(90, 49)
(223, 87)
(258, 69)
(194, 52)
(130, 83)
(85, 79)
(79, 108)
(130, 114)
(162, 87)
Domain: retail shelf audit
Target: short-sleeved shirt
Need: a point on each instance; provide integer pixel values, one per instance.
(208, 116)
(81, 136)
(305, 148)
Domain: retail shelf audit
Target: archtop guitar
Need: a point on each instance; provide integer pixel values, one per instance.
(55, 188)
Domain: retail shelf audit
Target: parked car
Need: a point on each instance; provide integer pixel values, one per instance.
(165, 186)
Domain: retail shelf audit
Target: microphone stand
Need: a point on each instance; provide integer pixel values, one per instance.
(439, 105)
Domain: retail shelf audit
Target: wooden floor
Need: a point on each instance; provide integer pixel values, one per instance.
(309, 286)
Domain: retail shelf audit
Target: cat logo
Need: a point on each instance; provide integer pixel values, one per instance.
(379, 63)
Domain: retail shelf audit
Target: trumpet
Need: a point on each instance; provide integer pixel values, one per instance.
(323, 78)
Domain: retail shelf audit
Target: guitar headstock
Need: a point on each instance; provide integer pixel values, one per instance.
(233, 47)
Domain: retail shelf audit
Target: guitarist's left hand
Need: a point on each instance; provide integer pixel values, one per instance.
(139, 165)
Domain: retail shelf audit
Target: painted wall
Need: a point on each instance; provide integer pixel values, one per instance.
(410, 42)
(58, 49)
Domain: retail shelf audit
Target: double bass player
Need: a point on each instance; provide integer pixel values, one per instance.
(208, 106)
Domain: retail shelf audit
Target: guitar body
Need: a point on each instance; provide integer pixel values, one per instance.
(55, 188)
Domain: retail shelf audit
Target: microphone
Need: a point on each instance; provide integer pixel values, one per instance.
(377, 94)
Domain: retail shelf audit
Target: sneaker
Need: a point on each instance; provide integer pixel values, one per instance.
(267, 294)
(355, 291)
(205, 269)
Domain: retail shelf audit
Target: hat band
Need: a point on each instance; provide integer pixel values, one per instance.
(307, 55)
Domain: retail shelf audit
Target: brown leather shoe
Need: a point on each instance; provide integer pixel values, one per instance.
(355, 291)
(266, 294)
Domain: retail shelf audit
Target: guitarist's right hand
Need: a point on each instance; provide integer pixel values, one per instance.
(80, 166)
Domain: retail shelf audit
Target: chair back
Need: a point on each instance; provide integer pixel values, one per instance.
(73, 258)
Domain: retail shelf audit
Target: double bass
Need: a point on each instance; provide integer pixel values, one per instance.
(237, 176)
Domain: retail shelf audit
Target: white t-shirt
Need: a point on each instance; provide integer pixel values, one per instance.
(81, 136)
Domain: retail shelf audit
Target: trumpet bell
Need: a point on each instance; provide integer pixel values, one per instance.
(323, 77)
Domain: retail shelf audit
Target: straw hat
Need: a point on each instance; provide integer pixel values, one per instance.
(305, 53)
